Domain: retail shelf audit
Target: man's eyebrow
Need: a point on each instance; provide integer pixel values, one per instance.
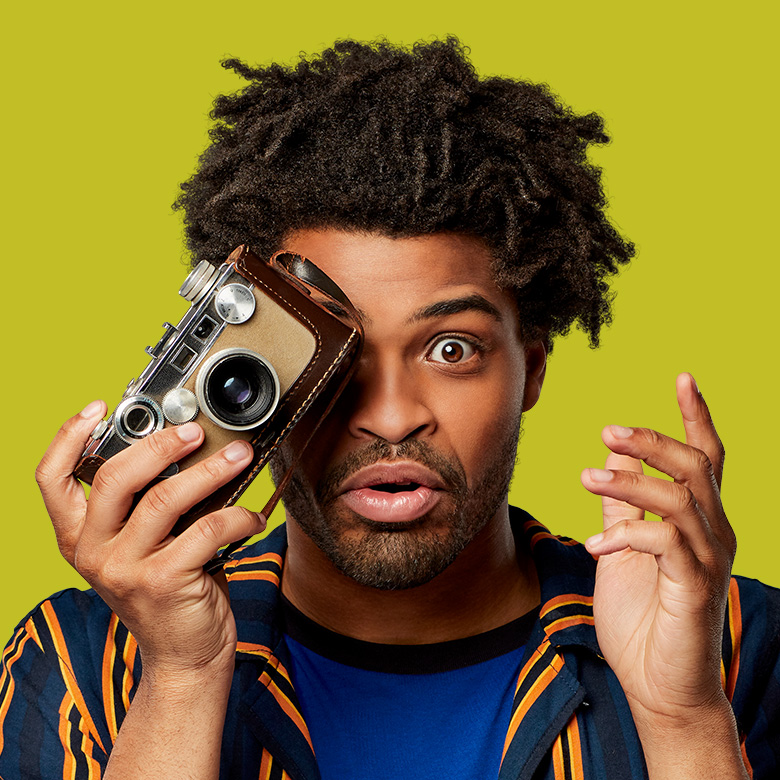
(444, 308)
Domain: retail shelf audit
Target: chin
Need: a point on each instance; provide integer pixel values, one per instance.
(394, 556)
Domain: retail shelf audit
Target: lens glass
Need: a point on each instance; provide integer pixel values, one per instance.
(240, 390)
(237, 392)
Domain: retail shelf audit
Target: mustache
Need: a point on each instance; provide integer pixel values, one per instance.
(451, 472)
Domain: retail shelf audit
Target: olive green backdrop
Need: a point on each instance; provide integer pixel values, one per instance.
(106, 112)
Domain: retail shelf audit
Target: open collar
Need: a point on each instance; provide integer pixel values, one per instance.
(547, 692)
(566, 576)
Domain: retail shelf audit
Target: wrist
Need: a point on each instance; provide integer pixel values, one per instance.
(698, 742)
(188, 682)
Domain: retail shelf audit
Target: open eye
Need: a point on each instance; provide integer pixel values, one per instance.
(452, 350)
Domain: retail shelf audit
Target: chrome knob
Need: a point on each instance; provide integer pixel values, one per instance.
(180, 405)
(198, 282)
(235, 303)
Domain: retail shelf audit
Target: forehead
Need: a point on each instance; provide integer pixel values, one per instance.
(383, 275)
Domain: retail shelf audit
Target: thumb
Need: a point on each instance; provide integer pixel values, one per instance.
(615, 510)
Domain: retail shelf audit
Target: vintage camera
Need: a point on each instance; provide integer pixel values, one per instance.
(264, 347)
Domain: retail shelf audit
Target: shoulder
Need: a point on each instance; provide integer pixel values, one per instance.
(751, 669)
(751, 641)
(66, 621)
(61, 666)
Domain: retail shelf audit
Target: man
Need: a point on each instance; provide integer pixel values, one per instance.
(405, 620)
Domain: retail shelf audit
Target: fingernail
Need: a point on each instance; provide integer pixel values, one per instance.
(601, 475)
(594, 541)
(91, 409)
(695, 384)
(188, 432)
(261, 518)
(620, 432)
(237, 451)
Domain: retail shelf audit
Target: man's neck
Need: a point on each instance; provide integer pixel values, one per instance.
(490, 584)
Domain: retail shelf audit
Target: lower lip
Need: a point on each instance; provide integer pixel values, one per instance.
(385, 507)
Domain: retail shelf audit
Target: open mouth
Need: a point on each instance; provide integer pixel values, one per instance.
(393, 492)
(395, 487)
(392, 502)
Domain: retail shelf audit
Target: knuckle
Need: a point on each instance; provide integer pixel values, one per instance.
(160, 446)
(674, 537)
(108, 478)
(161, 499)
(687, 501)
(211, 469)
(245, 516)
(622, 528)
(113, 577)
(653, 438)
(213, 527)
(702, 461)
(720, 450)
(42, 473)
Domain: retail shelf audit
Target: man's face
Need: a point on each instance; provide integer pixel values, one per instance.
(417, 455)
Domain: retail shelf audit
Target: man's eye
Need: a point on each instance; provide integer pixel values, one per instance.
(452, 351)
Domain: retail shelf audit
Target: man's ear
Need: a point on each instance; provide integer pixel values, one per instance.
(535, 368)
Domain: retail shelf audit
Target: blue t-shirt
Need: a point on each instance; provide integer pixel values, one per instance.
(380, 712)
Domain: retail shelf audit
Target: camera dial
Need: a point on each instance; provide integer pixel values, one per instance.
(180, 405)
(235, 303)
(237, 389)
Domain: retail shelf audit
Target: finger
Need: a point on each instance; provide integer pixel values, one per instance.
(62, 492)
(685, 464)
(671, 501)
(614, 509)
(126, 473)
(199, 543)
(674, 556)
(160, 508)
(699, 429)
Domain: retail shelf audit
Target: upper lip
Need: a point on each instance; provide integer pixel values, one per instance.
(394, 474)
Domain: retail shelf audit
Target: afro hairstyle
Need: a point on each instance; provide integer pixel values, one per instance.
(407, 142)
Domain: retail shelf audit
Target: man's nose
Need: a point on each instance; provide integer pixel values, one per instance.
(386, 399)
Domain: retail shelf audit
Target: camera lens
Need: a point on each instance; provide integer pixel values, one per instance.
(238, 388)
(136, 417)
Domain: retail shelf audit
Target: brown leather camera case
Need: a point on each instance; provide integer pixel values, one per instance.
(337, 333)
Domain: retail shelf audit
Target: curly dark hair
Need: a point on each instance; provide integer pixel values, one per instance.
(406, 142)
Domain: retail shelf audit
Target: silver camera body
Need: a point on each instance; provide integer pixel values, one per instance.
(261, 343)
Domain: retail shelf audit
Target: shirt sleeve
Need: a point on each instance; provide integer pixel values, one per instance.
(65, 686)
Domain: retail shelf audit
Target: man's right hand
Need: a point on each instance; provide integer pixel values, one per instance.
(155, 582)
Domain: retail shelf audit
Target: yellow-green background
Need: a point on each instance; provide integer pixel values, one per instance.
(105, 111)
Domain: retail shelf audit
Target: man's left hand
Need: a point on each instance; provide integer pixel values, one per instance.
(661, 587)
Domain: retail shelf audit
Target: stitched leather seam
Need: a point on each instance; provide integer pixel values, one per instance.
(301, 409)
(315, 332)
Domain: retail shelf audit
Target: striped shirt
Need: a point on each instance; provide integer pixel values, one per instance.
(70, 670)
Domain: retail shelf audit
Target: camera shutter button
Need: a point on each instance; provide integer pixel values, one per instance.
(180, 405)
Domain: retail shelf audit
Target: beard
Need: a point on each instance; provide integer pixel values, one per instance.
(391, 556)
